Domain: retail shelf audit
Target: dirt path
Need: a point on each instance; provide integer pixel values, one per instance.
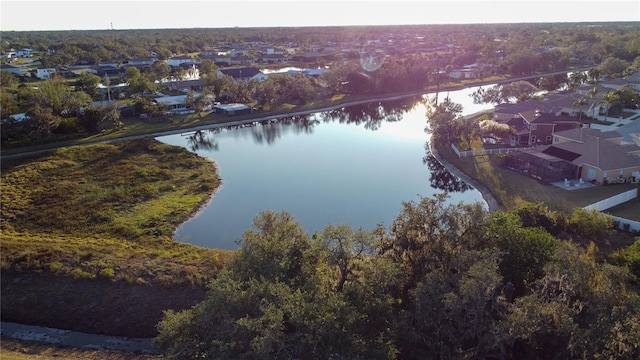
(76, 339)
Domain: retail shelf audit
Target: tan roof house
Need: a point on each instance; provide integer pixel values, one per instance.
(602, 157)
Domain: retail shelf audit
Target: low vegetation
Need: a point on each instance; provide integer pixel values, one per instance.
(104, 214)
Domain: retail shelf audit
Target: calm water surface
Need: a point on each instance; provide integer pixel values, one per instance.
(351, 166)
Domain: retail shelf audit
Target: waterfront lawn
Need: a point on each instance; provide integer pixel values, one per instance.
(513, 190)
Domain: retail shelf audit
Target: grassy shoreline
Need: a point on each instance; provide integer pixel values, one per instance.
(87, 237)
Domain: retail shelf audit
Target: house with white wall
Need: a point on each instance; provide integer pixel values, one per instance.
(45, 73)
(179, 60)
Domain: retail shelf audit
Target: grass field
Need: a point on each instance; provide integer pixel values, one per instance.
(87, 237)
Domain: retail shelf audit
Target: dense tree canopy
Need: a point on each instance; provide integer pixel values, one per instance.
(443, 282)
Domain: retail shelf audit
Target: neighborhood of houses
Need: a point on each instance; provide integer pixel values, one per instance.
(555, 145)
(552, 141)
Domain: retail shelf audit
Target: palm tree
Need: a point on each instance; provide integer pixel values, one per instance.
(576, 79)
(107, 82)
(592, 94)
(593, 74)
(579, 103)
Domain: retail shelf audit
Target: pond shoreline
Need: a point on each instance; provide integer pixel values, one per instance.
(13, 153)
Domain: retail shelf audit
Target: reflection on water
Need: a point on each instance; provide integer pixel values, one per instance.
(203, 140)
(370, 116)
(441, 178)
(354, 165)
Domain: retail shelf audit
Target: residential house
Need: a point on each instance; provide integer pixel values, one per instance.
(463, 74)
(9, 55)
(630, 132)
(534, 128)
(141, 62)
(185, 85)
(176, 104)
(179, 60)
(569, 103)
(601, 156)
(102, 70)
(242, 60)
(273, 58)
(243, 74)
(619, 83)
(45, 73)
(584, 153)
(505, 112)
(24, 53)
(232, 109)
(239, 51)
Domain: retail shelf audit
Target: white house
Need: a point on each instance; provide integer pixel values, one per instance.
(178, 60)
(463, 74)
(24, 52)
(45, 73)
(243, 74)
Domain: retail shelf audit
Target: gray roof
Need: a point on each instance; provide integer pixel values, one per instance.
(630, 132)
(599, 149)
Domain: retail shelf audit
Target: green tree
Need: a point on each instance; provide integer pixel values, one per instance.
(346, 251)
(88, 83)
(519, 90)
(9, 105)
(592, 94)
(525, 250)
(593, 74)
(427, 235)
(208, 68)
(628, 257)
(468, 129)
(442, 120)
(576, 79)
(613, 66)
(274, 301)
(579, 309)
(553, 82)
(579, 103)
(159, 71)
(94, 119)
(455, 312)
(590, 224)
(8, 80)
(138, 84)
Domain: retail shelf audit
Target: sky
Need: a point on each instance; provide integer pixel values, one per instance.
(27, 15)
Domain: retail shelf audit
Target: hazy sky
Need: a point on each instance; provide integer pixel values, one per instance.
(158, 14)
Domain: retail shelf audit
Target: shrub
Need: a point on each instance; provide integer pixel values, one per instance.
(108, 273)
(56, 266)
(78, 273)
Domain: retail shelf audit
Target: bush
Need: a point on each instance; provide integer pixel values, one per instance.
(108, 273)
(78, 273)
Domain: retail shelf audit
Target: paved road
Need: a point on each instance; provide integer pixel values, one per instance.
(76, 339)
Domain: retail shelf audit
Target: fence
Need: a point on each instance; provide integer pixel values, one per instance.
(617, 200)
(481, 152)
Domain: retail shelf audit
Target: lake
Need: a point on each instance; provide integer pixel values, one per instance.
(354, 166)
